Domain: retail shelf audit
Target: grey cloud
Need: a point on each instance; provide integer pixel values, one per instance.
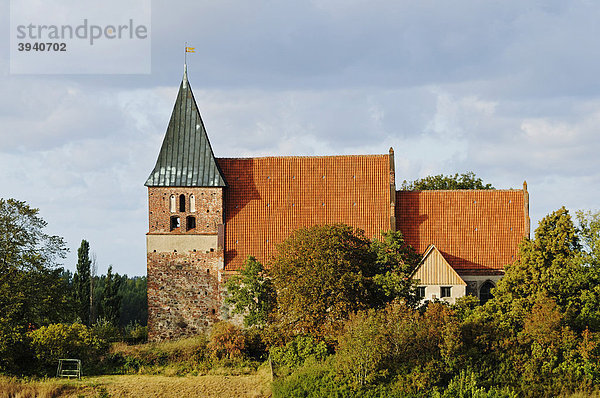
(506, 89)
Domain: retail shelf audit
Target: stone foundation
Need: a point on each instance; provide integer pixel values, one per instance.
(184, 296)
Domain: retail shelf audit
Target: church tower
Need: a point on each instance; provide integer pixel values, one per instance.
(186, 233)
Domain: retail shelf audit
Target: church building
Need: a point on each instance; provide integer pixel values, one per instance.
(208, 214)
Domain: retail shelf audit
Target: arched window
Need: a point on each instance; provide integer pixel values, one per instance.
(485, 292)
(174, 222)
(172, 203)
(192, 203)
(190, 221)
(182, 202)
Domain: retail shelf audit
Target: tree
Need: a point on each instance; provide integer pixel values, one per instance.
(32, 290)
(322, 274)
(395, 260)
(134, 301)
(589, 260)
(251, 293)
(438, 182)
(548, 266)
(111, 300)
(82, 282)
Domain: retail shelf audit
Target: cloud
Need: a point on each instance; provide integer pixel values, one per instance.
(506, 89)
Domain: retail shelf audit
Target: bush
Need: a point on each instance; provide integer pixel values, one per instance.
(226, 341)
(256, 348)
(465, 385)
(297, 351)
(313, 379)
(58, 340)
(106, 330)
(136, 333)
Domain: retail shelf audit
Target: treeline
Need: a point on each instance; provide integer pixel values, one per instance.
(339, 318)
(36, 292)
(119, 299)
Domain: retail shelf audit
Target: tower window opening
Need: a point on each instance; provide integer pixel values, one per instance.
(192, 203)
(175, 222)
(172, 203)
(190, 222)
(182, 202)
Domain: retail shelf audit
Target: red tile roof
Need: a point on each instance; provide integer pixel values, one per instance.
(477, 231)
(267, 198)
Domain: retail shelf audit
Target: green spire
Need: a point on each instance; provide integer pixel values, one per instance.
(186, 158)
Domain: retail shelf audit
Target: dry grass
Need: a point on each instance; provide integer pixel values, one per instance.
(595, 394)
(188, 386)
(214, 385)
(13, 388)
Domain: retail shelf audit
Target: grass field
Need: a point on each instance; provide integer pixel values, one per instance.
(254, 385)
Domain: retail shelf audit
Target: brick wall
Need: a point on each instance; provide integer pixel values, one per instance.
(208, 214)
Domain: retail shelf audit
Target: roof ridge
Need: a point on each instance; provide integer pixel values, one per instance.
(462, 190)
(303, 157)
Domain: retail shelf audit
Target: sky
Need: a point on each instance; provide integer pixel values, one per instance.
(506, 89)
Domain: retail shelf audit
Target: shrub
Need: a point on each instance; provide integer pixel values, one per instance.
(255, 346)
(106, 330)
(313, 379)
(136, 332)
(226, 341)
(58, 340)
(297, 351)
(363, 348)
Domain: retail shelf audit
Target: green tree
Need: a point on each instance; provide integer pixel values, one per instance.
(589, 231)
(395, 260)
(111, 300)
(548, 266)
(362, 348)
(251, 293)
(543, 307)
(32, 290)
(134, 301)
(82, 283)
(322, 274)
(438, 182)
(56, 341)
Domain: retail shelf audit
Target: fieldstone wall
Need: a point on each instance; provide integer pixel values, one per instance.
(184, 296)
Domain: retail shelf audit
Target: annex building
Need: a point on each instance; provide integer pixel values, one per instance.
(208, 214)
